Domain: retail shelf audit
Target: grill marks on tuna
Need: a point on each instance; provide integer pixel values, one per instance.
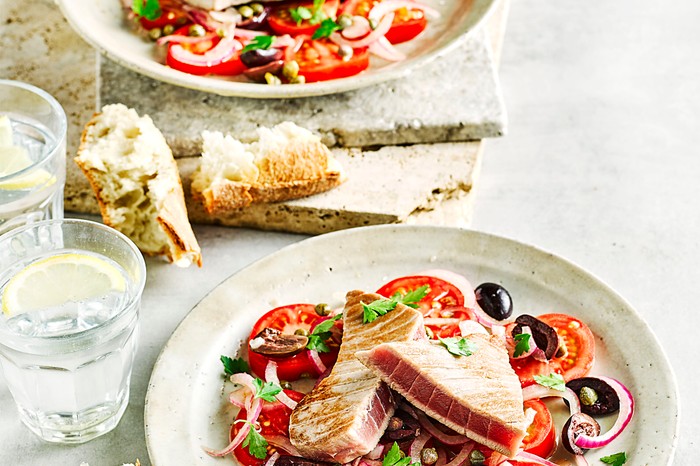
(478, 396)
(345, 415)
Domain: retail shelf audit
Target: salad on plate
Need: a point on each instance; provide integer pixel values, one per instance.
(433, 371)
(278, 42)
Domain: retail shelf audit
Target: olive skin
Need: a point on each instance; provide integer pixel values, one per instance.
(260, 57)
(607, 400)
(494, 300)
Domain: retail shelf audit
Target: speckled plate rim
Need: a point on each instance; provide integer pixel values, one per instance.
(92, 33)
(188, 365)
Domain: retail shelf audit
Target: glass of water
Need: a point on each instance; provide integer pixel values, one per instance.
(70, 292)
(32, 155)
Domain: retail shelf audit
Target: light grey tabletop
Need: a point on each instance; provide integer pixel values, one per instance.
(601, 165)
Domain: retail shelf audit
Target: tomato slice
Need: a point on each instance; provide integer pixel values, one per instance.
(578, 359)
(319, 61)
(540, 439)
(445, 323)
(407, 23)
(281, 21)
(441, 293)
(287, 319)
(273, 420)
(231, 67)
(169, 16)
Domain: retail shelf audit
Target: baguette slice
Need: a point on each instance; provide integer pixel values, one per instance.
(287, 162)
(137, 183)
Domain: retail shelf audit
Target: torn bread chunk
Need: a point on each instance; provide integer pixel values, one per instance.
(137, 183)
(478, 396)
(286, 162)
(345, 415)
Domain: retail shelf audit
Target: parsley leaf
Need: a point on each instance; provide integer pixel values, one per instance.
(256, 443)
(327, 27)
(553, 380)
(382, 306)
(522, 344)
(259, 42)
(234, 366)
(459, 347)
(395, 457)
(618, 459)
(266, 391)
(321, 333)
(300, 13)
(149, 9)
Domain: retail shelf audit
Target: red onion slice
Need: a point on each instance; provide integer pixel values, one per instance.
(510, 344)
(381, 30)
(447, 439)
(623, 418)
(224, 50)
(384, 49)
(538, 391)
(316, 361)
(178, 39)
(470, 327)
(360, 28)
(248, 33)
(238, 439)
(529, 458)
(283, 443)
(463, 455)
(459, 281)
(389, 6)
(376, 453)
(417, 447)
(272, 459)
(271, 376)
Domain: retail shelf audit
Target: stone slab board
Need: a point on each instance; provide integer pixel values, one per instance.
(423, 183)
(454, 98)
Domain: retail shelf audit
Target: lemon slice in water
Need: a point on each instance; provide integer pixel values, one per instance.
(14, 159)
(60, 279)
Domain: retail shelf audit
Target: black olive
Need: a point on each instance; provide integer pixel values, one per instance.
(578, 424)
(259, 57)
(258, 73)
(494, 300)
(288, 460)
(605, 400)
(274, 343)
(546, 337)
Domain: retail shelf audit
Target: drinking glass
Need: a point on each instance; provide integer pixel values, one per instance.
(67, 362)
(32, 155)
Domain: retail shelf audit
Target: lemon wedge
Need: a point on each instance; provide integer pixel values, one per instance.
(60, 279)
(15, 158)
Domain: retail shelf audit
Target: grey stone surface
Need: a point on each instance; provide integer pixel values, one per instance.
(422, 183)
(455, 98)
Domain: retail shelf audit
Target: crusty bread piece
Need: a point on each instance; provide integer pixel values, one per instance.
(137, 183)
(287, 162)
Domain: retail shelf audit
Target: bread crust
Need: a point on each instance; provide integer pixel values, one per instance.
(172, 216)
(298, 169)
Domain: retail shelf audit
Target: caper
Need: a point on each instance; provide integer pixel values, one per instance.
(155, 33)
(344, 21)
(302, 332)
(345, 52)
(246, 11)
(588, 396)
(290, 70)
(395, 423)
(168, 29)
(285, 385)
(476, 458)
(428, 456)
(272, 80)
(257, 8)
(196, 30)
(323, 309)
(298, 80)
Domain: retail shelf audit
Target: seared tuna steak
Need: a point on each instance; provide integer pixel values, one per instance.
(344, 416)
(478, 396)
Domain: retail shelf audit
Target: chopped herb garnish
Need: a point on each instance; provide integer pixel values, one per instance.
(553, 380)
(149, 9)
(256, 443)
(300, 14)
(259, 42)
(266, 391)
(459, 346)
(522, 344)
(327, 27)
(382, 306)
(234, 366)
(321, 333)
(395, 457)
(618, 459)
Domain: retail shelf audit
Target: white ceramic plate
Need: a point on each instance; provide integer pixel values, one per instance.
(101, 23)
(186, 406)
